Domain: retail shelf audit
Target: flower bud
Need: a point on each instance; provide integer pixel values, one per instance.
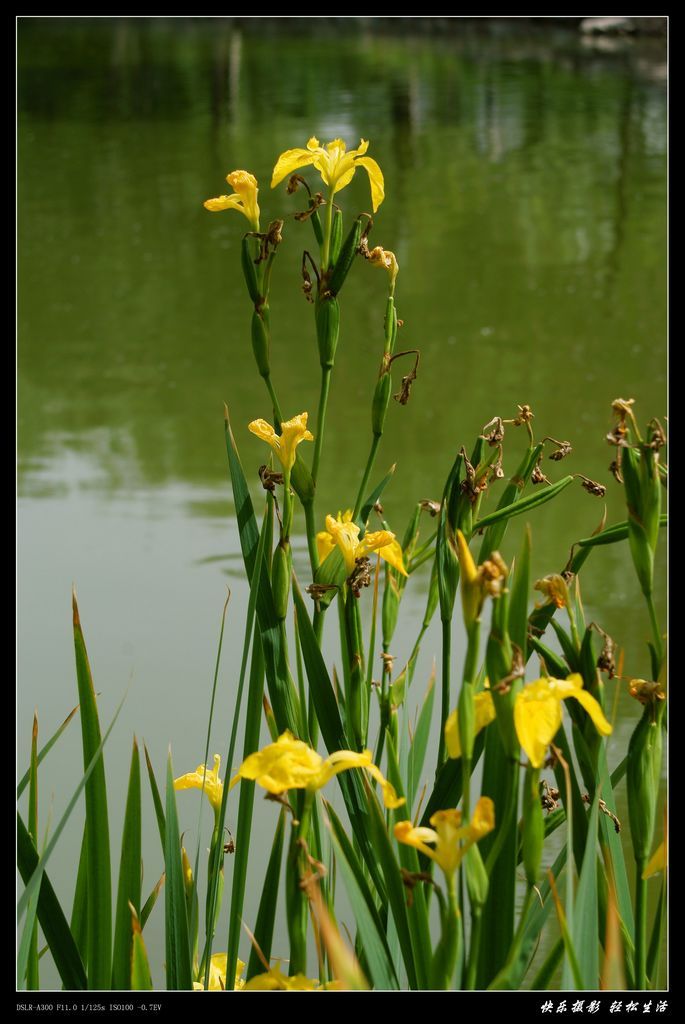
(533, 824)
(477, 881)
(642, 777)
(260, 342)
(327, 315)
(249, 272)
(336, 236)
(347, 253)
(301, 480)
(381, 400)
(281, 570)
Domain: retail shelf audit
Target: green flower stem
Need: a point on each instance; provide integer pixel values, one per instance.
(328, 224)
(447, 951)
(298, 903)
(476, 922)
(367, 473)
(321, 419)
(287, 507)
(445, 704)
(470, 669)
(278, 415)
(422, 554)
(656, 632)
(640, 927)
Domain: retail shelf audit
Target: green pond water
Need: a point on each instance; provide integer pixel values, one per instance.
(526, 203)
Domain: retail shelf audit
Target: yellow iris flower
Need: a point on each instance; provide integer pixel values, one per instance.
(244, 197)
(284, 444)
(292, 764)
(275, 981)
(477, 582)
(537, 715)
(217, 974)
(451, 839)
(214, 787)
(336, 166)
(343, 533)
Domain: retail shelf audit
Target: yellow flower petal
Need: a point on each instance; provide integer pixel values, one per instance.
(213, 786)
(537, 717)
(573, 687)
(292, 764)
(485, 713)
(375, 177)
(335, 164)
(289, 162)
(324, 545)
(392, 554)
(284, 444)
(390, 797)
(244, 198)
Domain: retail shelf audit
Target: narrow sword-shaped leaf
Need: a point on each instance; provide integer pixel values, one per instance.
(266, 915)
(34, 880)
(178, 971)
(97, 823)
(44, 751)
(129, 889)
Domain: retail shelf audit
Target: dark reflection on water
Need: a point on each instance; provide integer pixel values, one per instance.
(525, 182)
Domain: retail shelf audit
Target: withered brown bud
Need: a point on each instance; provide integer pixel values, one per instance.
(360, 576)
(496, 435)
(432, 507)
(592, 487)
(561, 452)
(403, 394)
(269, 478)
(317, 590)
(615, 470)
(538, 477)
(525, 415)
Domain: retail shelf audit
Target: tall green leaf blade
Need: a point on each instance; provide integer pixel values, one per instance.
(281, 687)
(79, 911)
(156, 799)
(417, 751)
(334, 735)
(97, 823)
(526, 504)
(514, 971)
(393, 883)
(266, 915)
(32, 974)
(139, 967)
(378, 960)
(494, 535)
(178, 970)
(44, 751)
(34, 880)
(585, 920)
(129, 890)
(245, 805)
(50, 916)
(518, 603)
(149, 904)
(657, 938)
(417, 911)
(612, 847)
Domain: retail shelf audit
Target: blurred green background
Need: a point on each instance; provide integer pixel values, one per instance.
(526, 202)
